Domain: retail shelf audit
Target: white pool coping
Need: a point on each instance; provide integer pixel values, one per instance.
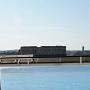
(45, 65)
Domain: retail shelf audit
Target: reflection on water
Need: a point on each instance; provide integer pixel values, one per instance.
(0, 78)
(46, 78)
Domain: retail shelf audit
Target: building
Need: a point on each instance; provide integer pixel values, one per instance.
(43, 51)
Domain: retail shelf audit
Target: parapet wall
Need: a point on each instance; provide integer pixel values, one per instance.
(64, 60)
(29, 60)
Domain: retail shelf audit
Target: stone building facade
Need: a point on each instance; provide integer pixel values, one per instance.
(43, 51)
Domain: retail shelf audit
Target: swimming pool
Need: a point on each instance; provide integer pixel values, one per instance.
(46, 78)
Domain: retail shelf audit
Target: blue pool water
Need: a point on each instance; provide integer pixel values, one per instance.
(46, 78)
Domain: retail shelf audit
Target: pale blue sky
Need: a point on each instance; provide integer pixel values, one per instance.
(44, 22)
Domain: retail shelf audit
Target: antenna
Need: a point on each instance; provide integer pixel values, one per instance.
(82, 50)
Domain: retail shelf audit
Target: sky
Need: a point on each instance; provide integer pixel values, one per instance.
(44, 22)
